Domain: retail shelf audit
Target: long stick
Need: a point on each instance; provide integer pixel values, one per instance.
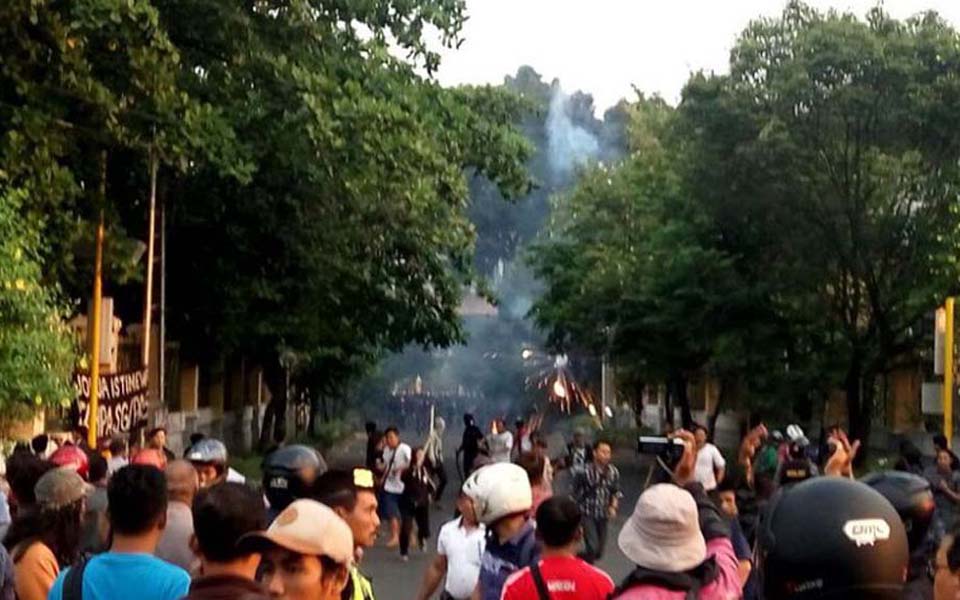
(148, 300)
(948, 373)
(94, 404)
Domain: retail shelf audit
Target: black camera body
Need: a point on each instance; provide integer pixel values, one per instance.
(668, 450)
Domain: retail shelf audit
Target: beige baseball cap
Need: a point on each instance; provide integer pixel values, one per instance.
(306, 527)
(61, 487)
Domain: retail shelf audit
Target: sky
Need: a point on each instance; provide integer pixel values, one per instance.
(605, 46)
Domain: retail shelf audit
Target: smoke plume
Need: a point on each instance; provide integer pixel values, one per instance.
(568, 145)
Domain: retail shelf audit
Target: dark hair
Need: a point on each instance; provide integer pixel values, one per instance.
(940, 441)
(39, 443)
(601, 442)
(155, 431)
(391, 429)
(335, 488)
(700, 426)
(58, 529)
(196, 437)
(118, 446)
(222, 514)
(97, 468)
(534, 465)
(137, 496)
(23, 472)
(558, 520)
(371, 427)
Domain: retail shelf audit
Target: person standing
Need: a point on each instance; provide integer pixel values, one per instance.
(157, 439)
(945, 484)
(597, 490)
(138, 512)
(579, 453)
(559, 575)
(352, 495)
(502, 498)
(374, 445)
(711, 466)
(434, 450)
(118, 455)
(222, 515)
(499, 442)
(395, 461)
(175, 546)
(460, 547)
(470, 444)
(46, 538)
(415, 505)
(306, 552)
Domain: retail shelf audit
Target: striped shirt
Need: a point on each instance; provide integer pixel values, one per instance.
(595, 488)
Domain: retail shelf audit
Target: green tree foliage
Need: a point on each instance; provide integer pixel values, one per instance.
(803, 222)
(36, 349)
(828, 161)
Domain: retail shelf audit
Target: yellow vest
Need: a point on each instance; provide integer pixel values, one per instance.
(362, 588)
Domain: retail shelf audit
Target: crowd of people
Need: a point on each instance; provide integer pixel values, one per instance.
(142, 523)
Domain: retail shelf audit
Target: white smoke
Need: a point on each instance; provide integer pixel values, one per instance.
(568, 145)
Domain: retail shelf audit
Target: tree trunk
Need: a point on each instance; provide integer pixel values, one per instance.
(638, 389)
(859, 390)
(721, 401)
(276, 381)
(683, 399)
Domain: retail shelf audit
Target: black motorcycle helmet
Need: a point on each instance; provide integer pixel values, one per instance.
(911, 497)
(832, 537)
(289, 473)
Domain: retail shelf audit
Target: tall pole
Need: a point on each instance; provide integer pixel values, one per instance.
(151, 230)
(94, 404)
(948, 372)
(163, 305)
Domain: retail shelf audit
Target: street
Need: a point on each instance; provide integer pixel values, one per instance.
(394, 579)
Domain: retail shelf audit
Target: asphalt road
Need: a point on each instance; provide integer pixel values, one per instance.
(394, 579)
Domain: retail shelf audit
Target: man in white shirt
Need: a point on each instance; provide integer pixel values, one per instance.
(710, 463)
(460, 547)
(500, 442)
(396, 459)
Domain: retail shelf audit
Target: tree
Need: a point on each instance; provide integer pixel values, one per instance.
(350, 238)
(36, 350)
(827, 162)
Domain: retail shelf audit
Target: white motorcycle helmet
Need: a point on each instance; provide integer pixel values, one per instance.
(499, 490)
(795, 434)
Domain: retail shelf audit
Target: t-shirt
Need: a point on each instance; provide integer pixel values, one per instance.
(500, 445)
(394, 481)
(500, 561)
(946, 507)
(35, 572)
(709, 460)
(566, 577)
(174, 545)
(140, 576)
(464, 551)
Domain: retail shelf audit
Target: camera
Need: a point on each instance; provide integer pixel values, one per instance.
(669, 451)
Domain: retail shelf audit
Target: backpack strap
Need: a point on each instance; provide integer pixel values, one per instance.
(542, 592)
(73, 581)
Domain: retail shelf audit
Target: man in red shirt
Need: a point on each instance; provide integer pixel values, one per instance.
(559, 575)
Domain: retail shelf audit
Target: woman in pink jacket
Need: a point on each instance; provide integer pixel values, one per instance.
(679, 542)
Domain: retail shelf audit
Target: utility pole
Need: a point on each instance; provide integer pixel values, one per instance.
(948, 371)
(94, 405)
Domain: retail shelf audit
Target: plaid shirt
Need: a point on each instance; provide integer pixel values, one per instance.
(595, 489)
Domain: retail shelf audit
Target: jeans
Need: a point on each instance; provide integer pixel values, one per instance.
(594, 538)
(410, 513)
(441, 474)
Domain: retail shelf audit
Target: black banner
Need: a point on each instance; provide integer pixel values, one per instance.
(123, 402)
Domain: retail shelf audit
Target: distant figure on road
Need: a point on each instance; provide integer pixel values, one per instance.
(470, 444)
(499, 442)
(394, 462)
(597, 490)
(711, 466)
(374, 445)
